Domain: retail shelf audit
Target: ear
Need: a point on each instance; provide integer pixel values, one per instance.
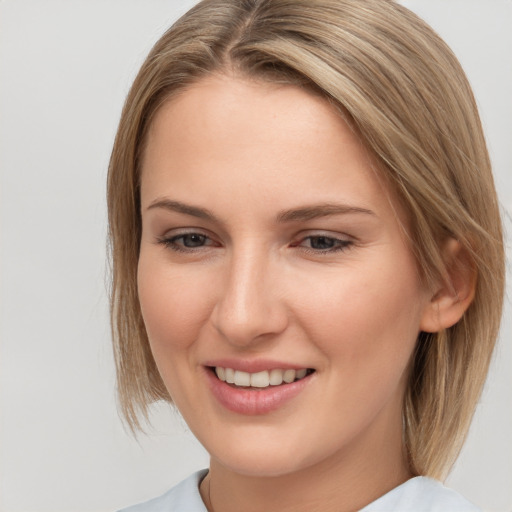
(455, 293)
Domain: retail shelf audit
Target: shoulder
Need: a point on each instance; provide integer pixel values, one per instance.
(421, 494)
(183, 497)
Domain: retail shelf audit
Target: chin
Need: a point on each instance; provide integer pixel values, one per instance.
(264, 460)
(268, 467)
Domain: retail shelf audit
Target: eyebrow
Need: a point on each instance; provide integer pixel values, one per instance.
(292, 215)
(187, 209)
(319, 210)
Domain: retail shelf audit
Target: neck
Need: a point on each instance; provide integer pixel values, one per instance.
(345, 482)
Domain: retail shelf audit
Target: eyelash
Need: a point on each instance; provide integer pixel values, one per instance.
(338, 244)
(172, 242)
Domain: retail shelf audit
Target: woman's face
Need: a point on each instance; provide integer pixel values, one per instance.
(269, 246)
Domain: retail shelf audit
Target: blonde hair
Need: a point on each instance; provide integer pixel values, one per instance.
(403, 90)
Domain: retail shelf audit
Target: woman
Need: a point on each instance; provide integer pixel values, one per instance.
(307, 254)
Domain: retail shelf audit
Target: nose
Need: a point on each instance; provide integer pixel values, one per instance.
(250, 306)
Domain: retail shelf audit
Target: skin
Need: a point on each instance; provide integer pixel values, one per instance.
(349, 305)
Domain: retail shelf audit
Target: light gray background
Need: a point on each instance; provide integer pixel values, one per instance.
(65, 67)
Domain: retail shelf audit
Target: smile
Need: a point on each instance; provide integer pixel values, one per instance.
(263, 379)
(257, 392)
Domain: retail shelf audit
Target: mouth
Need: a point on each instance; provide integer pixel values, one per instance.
(262, 391)
(260, 380)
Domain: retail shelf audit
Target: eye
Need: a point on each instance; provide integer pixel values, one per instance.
(323, 244)
(191, 240)
(187, 242)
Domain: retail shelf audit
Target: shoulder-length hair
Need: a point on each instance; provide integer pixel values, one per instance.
(404, 92)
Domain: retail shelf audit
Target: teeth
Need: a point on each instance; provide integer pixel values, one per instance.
(242, 378)
(289, 376)
(230, 375)
(276, 377)
(221, 373)
(301, 373)
(262, 379)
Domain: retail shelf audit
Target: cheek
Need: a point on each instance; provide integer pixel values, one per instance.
(174, 307)
(174, 304)
(364, 319)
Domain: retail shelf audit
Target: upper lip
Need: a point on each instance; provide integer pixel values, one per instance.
(254, 365)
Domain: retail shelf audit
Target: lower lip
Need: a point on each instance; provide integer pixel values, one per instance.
(254, 401)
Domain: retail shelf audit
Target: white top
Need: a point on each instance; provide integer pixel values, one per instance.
(419, 494)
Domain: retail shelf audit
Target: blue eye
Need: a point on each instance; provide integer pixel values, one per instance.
(191, 240)
(186, 242)
(322, 243)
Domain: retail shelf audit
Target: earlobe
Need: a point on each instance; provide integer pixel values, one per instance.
(455, 293)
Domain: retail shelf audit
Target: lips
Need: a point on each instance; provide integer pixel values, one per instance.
(256, 392)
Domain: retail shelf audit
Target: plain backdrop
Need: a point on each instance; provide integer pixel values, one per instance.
(65, 68)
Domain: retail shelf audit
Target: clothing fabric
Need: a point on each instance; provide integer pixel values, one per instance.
(184, 497)
(419, 494)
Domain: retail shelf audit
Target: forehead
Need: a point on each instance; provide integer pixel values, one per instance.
(226, 133)
(225, 107)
